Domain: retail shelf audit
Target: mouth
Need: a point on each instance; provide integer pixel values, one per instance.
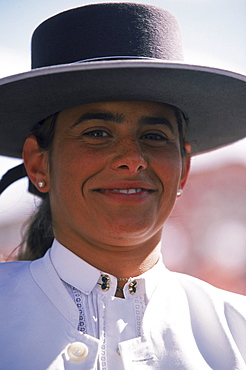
(134, 195)
(127, 190)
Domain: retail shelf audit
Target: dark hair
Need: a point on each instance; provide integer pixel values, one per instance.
(183, 124)
(38, 235)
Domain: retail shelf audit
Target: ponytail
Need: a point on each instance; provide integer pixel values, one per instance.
(38, 235)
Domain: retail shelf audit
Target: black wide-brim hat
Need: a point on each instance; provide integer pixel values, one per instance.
(119, 51)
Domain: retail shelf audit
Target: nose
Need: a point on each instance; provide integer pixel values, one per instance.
(129, 157)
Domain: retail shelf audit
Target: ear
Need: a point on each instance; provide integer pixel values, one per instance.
(186, 165)
(36, 164)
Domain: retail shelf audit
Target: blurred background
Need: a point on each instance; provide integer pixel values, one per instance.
(206, 233)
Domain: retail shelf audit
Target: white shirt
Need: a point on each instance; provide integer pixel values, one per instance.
(187, 323)
(100, 314)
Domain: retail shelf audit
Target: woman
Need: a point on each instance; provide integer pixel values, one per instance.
(110, 157)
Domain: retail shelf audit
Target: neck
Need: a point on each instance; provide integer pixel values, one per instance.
(119, 261)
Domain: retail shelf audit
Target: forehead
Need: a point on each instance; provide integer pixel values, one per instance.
(122, 110)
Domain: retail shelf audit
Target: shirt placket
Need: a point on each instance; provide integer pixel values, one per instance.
(78, 299)
(102, 310)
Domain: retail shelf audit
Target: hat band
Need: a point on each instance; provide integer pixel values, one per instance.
(15, 174)
(114, 58)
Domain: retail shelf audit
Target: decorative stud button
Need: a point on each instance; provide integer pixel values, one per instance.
(133, 287)
(77, 351)
(105, 285)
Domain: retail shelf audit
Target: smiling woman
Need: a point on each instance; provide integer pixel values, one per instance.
(110, 156)
(129, 136)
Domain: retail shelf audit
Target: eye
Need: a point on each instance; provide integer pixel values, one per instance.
(96, 133)
(155, 136)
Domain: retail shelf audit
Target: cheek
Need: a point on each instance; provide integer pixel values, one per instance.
(64, 161)
(168, 166)
(72, 166)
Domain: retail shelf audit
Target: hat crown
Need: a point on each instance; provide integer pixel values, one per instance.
(110, 30)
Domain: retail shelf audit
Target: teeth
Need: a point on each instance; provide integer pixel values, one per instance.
(128, 191)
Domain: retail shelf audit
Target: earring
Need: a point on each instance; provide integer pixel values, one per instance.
(41, 184)
(179, 192)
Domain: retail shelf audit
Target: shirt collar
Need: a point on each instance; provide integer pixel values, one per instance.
(83, 276)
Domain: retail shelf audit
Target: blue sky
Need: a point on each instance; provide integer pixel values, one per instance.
(214, 33)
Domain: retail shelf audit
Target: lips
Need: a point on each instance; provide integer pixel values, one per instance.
(127, 189)
(128, 192)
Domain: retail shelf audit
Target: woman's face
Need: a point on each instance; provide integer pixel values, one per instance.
(115, 169)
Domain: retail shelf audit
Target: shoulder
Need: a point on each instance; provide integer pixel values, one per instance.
(202, 288)
(16, 283)
(12, 271)
(19, 277)
(203, 297)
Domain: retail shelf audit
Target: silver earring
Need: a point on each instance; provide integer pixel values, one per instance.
(41, 184)
(179, 192)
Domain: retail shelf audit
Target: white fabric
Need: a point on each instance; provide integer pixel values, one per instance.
(103, 316)
(187, 325)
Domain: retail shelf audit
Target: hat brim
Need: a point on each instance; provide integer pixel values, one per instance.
(213, 99)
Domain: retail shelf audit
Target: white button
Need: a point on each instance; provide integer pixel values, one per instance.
(77, 351)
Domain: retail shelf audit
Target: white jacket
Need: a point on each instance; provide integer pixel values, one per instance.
(188, 325)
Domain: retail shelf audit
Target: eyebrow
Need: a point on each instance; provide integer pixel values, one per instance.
(119, 118)
(156, 121)
(107, 116)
